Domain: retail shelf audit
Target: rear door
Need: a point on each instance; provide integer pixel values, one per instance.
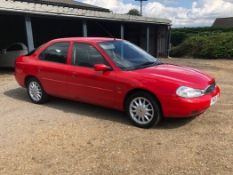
(53, 70)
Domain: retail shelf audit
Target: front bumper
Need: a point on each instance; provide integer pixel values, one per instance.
(177, 107)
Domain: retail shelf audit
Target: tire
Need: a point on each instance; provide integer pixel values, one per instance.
(36, 92)
(143, 109)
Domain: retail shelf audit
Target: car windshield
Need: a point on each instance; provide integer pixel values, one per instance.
(127, 56)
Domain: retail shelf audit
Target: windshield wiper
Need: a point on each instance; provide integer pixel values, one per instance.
(146, 64)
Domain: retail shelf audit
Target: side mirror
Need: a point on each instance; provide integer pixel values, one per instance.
(101, 67)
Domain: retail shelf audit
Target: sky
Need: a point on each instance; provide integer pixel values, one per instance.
(183, 13)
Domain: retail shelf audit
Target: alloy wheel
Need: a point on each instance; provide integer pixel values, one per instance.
(141, 110)
(35, 91)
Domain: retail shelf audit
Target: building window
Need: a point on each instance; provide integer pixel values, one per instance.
(86, 55)
(56, 53)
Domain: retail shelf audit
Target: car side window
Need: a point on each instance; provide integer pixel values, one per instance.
(56, 53)
(86, 55)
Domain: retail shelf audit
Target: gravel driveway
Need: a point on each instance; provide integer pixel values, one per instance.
(65, 137)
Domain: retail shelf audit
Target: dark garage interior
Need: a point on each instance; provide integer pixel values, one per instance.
(12, 30)
(46, 29)
(33, 29)
(103, 29)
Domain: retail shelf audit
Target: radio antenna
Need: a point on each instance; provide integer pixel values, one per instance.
(141, 1)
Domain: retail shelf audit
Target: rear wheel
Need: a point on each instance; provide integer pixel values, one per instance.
(35, 91)
(143, 110)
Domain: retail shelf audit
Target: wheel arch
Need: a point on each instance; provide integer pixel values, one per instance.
(132, 91)
(28, 77)
(44, 95)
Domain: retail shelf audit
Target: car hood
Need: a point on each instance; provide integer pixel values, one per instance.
(180, 75)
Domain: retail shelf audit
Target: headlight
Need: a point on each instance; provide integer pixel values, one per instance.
(188, 92)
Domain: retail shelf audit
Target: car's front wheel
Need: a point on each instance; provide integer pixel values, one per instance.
(35, 91)
(143, 110)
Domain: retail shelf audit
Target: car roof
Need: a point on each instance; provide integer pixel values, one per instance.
(85, 39)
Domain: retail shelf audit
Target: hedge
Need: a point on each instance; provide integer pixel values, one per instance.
(206, 44)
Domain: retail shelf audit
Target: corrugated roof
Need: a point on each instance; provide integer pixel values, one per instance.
(11, 6)
(68, 3)
(224, 22)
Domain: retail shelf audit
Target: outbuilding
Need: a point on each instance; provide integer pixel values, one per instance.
(35, 22)
(223, 22)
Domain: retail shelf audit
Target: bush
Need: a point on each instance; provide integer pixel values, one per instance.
(206, 45)
(178, 37)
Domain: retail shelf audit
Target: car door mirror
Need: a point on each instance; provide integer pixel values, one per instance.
(101, 67)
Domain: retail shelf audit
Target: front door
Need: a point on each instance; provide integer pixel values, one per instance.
(92, 86)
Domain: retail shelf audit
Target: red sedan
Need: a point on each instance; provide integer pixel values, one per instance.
(116, 74)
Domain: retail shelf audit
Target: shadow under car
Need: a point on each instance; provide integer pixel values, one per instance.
(89, 110)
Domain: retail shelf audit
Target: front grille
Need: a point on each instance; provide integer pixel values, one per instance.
(211, 88)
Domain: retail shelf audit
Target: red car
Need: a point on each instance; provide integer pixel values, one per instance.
(116, 74)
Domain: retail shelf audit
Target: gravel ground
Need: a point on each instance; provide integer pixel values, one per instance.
(65, 137)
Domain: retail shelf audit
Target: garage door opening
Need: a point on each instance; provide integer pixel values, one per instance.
(103, 29)
(12, 30)
(13, 40)
(46, 29)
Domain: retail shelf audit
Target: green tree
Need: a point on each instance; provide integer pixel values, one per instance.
(134, 12)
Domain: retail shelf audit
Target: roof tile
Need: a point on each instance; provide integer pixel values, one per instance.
(68, 3)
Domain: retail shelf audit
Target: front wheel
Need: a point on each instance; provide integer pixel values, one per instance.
(143, 110)
(35, 91)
